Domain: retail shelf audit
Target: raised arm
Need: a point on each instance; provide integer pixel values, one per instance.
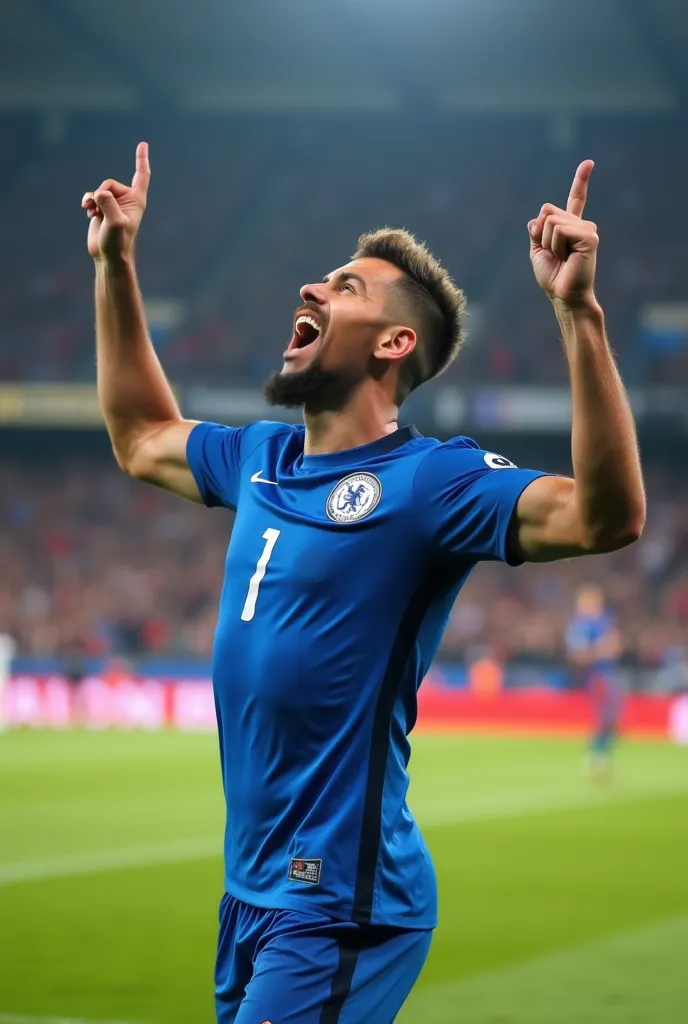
(603, 507)
(145, 425)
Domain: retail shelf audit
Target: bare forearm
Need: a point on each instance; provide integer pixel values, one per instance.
(609, 490)
(134, 393)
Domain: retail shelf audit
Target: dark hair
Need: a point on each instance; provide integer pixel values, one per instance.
(428, 297)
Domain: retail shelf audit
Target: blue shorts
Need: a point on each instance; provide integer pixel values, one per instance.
(282, 967)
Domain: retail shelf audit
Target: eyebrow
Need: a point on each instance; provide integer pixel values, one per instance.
(347, 275)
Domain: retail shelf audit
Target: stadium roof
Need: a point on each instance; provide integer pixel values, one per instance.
(464, 55)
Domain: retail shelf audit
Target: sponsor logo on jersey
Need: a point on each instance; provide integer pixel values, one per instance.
(301, 870)
(495, 461)
(354, 497)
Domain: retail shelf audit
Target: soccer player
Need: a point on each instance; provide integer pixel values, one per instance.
(353, 536)
(7, 651)
(594, 648)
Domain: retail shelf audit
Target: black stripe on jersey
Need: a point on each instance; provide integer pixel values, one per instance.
(349, 950)
(371, 832)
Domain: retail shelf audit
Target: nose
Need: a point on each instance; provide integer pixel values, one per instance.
(313, 293)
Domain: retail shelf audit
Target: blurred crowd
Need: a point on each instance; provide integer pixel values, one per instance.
(95, 564)
(243, 211)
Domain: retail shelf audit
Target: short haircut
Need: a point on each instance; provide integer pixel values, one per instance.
(433, 305)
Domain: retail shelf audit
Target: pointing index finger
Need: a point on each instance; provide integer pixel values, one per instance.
(142, 173)
(579, 190)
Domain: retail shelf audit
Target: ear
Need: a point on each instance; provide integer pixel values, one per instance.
(396, 343)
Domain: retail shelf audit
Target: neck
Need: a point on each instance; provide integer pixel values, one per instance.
(363, 419)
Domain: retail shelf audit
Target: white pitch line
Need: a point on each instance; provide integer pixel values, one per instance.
(110, 860)
(13, 1018)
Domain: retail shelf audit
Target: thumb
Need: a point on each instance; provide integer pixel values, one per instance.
(109, 207)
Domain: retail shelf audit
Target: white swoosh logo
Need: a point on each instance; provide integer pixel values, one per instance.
(257, 478)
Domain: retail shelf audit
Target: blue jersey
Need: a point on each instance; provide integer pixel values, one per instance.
(339, 579)
(586, 630)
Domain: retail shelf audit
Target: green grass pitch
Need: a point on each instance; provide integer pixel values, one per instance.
(561, 902)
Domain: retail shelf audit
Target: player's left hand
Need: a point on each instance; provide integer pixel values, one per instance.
(563, 246)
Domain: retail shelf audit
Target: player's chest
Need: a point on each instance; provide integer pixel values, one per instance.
(338, 533)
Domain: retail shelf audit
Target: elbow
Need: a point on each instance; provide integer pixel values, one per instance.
(628, 533)
(122, 457)
(126, 459)
(121, 460)
(132, 451)
(636, 525)
(616, 534)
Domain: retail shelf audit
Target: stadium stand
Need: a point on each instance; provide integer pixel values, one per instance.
(233, 258)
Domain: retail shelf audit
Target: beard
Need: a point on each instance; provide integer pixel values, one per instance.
(313, 389)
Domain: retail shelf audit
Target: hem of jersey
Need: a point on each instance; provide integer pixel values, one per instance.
(264, 901)
(193, 444)
(507, 557)
(392, 921)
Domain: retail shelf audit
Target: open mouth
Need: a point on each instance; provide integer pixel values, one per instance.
(306, 333)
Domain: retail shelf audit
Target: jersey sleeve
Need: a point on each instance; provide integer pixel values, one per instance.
(214, 456)
(466, 498)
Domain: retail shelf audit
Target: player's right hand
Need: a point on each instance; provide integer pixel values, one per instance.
(115, 211)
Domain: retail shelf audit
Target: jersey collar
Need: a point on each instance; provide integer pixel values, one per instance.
(352, 456)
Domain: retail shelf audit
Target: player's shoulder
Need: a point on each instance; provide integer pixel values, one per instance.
(261, 430)
(258, 430)
(463, 453)
(253, 435)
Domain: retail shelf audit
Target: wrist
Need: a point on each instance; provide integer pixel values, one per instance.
(585, 304)
(584, 310)
(113, 265)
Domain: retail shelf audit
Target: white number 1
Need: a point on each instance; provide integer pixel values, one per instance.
(270, 537)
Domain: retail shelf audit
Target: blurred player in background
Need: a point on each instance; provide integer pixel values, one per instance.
(8, 649)
(352, 539)
(594, 647)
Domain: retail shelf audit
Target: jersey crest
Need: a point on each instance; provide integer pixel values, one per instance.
(354, 497)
